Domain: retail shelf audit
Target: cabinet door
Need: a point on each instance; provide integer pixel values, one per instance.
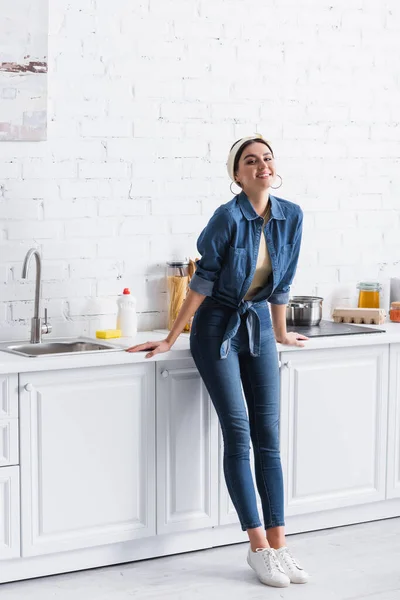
(9, 513)
(187, 450)
(87, 457)
(334, 421)
(393, 457)
(8, 420)
(8, 396)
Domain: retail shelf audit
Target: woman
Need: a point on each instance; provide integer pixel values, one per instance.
(249, 252)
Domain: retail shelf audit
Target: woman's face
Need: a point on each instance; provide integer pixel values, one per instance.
(256, 168)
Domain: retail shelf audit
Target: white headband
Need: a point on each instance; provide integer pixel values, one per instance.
(235, 149)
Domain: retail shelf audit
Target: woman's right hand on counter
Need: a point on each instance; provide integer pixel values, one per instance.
(156, 348)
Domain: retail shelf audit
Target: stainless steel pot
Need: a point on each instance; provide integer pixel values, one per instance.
(304, 310)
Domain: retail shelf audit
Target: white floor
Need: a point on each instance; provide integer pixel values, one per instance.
(348, 563)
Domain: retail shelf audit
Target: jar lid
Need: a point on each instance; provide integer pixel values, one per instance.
(178, 263)
(369, 286)
(395, 305)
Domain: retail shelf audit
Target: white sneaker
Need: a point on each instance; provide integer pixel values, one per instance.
(291, 567)
(265, 563)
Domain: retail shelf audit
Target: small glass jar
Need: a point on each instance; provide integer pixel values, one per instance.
(395, 312)
(177, 282)
(368, 296)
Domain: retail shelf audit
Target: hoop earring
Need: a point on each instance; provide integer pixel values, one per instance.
(232, 191)
(278, 186)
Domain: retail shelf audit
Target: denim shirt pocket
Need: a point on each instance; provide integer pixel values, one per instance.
(284, 255)
(233, 272)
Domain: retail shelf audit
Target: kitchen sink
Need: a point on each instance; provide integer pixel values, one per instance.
(67, 346)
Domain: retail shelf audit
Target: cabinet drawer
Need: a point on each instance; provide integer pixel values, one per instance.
(8, 442)
(9, 513)
(8, 396)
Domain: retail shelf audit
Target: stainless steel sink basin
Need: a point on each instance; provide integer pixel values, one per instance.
(67, 346)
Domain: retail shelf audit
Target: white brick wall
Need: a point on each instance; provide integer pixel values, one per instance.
(146, 98)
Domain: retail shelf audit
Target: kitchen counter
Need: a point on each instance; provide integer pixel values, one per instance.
(12, 363)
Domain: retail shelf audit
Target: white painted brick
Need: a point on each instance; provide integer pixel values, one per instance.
(38, 168)
(94, 150)
(67, 289)
(392, 237)
(166, 8)
(89, 227)
(69, 209)
(175, 207)
(188, 224)
(92, 306)
(4, 307)
(4, 273)
(129, 149)
(165, 168)
(336, 220)
(120, 188)
(33, 230)
(121, 207)
(384, 220)
(74, 63)
(133, 108)
(32, 188)
(361, 201)
(19, 209)
(93, 268)
(144, 226)
(188, 187)
(17, 291)
(65, 250)
(337, 257)
(362, 237)
(178, 111)
(106, 127)
(105, 170)
(85, 189)
(11, 150)
(200, 28)
(133, 251)
(10, 170)
(157, 128)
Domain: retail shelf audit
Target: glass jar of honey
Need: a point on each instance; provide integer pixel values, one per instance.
(368, 296)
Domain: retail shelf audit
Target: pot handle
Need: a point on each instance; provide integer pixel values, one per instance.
(296, 305)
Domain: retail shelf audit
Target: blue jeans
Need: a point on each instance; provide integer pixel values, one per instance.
(259, 377)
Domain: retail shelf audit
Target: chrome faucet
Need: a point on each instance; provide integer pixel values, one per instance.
(37, 327)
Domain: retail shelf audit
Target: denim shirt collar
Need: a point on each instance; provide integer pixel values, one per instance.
(249, 212)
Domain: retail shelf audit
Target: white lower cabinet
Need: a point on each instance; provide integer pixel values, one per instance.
(187, 450)
(393, 472)
(9, 513)
(334, 427)
(87, 457)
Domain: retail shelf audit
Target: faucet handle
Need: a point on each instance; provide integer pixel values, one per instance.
(46, 327)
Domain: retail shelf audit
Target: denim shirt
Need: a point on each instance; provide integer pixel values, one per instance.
(229, 248)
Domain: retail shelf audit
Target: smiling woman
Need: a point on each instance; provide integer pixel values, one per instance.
(243, 266)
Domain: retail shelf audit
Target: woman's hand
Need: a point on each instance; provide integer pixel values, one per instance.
(293, 339)
(155, 347)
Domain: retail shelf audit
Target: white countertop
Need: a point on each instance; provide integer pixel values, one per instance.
(12, 363)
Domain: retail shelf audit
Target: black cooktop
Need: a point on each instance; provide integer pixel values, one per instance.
(328, 328)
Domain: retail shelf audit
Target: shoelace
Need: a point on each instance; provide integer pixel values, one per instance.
(287, 554)
(271, 560)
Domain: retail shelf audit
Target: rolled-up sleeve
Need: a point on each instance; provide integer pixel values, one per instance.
(281, 293)
(212, 244)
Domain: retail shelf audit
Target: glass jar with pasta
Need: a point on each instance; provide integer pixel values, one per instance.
(178, 277)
